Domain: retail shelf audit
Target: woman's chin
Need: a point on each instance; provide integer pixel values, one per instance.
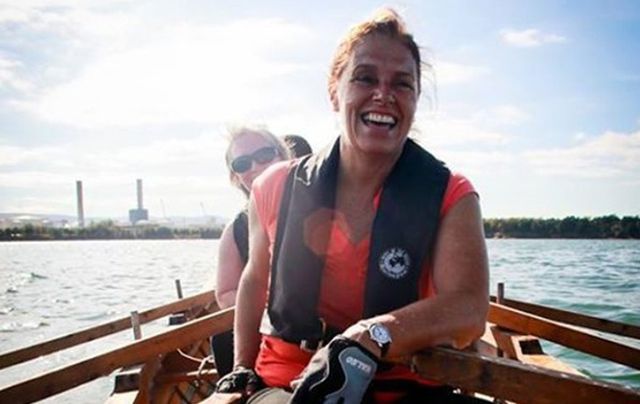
(380, 145)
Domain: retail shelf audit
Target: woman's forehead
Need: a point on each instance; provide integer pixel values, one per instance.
(248, 141)
(376, 51)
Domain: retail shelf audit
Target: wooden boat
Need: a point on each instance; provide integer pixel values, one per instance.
(508, 363)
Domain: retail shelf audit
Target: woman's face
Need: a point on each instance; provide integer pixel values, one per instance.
(243, 149)
(377, 94)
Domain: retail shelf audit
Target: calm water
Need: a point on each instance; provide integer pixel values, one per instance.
(52, 288)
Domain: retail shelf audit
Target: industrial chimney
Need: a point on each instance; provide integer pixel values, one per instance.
(80, 203)
(139, 187)
(138, 214)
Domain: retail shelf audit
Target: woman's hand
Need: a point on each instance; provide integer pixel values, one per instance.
(242, 380)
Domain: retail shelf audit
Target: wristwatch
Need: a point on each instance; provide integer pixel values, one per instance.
(381, 336)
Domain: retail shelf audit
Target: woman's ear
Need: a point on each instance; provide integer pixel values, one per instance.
(334, 100)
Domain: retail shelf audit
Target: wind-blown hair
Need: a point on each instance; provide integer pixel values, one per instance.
(385, 21)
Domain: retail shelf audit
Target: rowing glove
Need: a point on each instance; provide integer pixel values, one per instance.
(338, 373)
(241, 380)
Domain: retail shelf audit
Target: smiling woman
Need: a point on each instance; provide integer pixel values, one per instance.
(371, 246)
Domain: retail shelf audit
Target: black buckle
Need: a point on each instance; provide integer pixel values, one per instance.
(312, 345)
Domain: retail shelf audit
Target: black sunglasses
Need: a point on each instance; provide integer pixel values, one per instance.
(264, 155)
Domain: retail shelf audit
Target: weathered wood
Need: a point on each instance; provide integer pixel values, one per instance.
(146, 386)
(577, 319)
(584, 341)
(91, 333)
(527, 349)
(67, 377)
(135, 324)
(510, 380)
(190, 376)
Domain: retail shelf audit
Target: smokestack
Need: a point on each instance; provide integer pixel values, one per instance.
(139, 185)
(80, 204)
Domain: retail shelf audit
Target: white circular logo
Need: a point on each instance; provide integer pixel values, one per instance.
(395, 262)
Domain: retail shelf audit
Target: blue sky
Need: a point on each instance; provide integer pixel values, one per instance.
(537, 102)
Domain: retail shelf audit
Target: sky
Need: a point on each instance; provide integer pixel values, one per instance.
(536, 102)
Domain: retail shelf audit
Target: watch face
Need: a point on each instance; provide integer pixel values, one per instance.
(380, 333)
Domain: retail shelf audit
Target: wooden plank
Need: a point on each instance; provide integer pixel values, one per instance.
(514, 381)
(67, 377)
(527, 349)
(577, 319)
(89, 334)
(525, 323)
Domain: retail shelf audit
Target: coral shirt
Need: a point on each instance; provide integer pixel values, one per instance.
(341, 300)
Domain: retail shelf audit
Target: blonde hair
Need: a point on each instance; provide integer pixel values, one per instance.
(236, 132)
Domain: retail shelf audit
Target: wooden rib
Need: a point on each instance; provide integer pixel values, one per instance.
(578, 319)
(527, 349)
(67, 377)
(89, 334)
(526, 323)
(146, 385)
(510, 380)
(190, 376)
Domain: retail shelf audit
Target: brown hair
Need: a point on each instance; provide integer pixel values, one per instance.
(385, 21)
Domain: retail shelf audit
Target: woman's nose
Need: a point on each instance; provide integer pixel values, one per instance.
(384, 95)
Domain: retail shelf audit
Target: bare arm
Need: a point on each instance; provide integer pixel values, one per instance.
(456, 314)
(252, 293)
(230, 267)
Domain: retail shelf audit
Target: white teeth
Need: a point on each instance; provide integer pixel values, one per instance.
(380, 118)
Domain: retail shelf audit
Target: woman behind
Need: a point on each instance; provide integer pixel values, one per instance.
(373, 240)
(250, 151)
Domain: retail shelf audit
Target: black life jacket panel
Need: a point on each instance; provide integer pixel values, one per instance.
(403, 233)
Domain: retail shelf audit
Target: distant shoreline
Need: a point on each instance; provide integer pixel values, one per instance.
(571, 227)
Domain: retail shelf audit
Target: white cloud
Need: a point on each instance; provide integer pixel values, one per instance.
(529, 38)
(10, 75)
(611, 155)
(449, 132)
(502, 115)
(182, 173)
(13, 15)
(190, 74)
(14, 155)
(484, 127)
(455, 73)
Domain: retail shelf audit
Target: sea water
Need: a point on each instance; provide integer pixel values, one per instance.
(48, 289)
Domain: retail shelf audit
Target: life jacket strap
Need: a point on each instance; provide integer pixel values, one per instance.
(312, 345)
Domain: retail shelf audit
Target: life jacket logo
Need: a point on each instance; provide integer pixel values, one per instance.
(395, 263)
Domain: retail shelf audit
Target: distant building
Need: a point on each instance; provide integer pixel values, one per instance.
(80, 203)
(138, 214)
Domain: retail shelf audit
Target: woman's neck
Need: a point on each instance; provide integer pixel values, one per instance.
(364, 172)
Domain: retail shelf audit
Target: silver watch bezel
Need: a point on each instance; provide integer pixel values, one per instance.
(383, 340)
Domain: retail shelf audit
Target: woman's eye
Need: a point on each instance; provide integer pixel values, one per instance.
(406, 84)
(364, 79)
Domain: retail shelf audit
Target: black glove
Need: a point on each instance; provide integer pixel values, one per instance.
(241, 380)
(338, 373)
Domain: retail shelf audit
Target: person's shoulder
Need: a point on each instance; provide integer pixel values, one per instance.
(273, 175)
(459, 186)
(457, 180)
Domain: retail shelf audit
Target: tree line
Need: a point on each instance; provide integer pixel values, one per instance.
(106, 231)
(627, 227)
